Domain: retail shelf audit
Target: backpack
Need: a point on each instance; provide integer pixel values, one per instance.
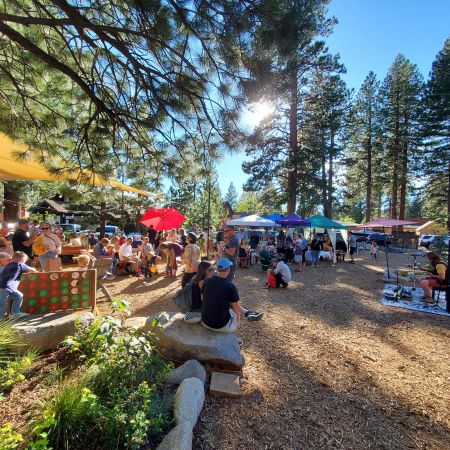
(183, 298)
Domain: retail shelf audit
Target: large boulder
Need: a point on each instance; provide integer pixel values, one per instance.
(183, 341)
(189, 369)
(188, 401)
(179, 438)
(46, 331)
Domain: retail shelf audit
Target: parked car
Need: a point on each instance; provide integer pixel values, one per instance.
(427, 239)
(109, 229)
(361, 236)
(380, 238)
(70, 227)
(137, 239)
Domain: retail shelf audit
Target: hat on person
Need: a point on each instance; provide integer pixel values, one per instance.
(23, 221)
(223, 264)
(192, 237)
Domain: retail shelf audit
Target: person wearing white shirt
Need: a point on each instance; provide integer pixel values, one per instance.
(282, 273)
(126, 256)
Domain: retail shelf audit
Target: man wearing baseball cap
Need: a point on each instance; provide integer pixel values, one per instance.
(221, 308)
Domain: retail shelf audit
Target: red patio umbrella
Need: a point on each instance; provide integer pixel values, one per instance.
(163, 218)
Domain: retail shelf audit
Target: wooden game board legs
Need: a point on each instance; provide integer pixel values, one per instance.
(104, 289)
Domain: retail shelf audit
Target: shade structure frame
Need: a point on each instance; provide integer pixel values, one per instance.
(13, 169)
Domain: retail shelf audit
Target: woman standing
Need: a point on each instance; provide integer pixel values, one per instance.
(316, 247)
(51, 245)
(190, 258)
(281, 242)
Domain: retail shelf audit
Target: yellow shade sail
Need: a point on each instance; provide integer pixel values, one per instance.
(13, 169)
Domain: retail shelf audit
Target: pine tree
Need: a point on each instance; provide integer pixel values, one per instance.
(364, 158)
(231, 196)
(436, 130)
(402, 90)
(284, 52)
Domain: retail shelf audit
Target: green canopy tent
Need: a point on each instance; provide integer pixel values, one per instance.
(319, 221)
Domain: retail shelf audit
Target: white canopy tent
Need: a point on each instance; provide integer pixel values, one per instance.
(252, 221)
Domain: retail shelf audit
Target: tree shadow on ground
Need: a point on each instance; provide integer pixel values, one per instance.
(305, 390)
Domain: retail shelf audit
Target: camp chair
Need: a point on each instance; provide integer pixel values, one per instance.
(265, 260)
(102, 266)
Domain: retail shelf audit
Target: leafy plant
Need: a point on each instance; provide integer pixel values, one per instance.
(9, 439)
(69, 417)
(14, 370)
(8, 337)
(116, 402)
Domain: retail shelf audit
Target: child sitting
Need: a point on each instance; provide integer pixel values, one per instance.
(374, 250)
(9, 282)
(83, 262)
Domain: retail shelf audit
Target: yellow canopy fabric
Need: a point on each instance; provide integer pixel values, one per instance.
(12, 169)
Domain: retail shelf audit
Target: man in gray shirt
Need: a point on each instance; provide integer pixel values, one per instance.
(231, 249)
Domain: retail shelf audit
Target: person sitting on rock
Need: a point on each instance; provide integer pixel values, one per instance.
(221, 307)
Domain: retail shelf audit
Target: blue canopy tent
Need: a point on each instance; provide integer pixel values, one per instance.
(292, 220)
(274, 217)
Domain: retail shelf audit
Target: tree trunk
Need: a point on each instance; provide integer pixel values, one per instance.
(395, 158)
(11, 206)
(324, 172)
(369, 171)
(293, 146)
(329, 211)
(404, 173)
(102, 219)
(448, 204)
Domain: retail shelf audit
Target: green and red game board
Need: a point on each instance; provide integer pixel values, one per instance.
(58, 291)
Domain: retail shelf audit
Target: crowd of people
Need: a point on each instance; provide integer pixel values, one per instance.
(214, 300)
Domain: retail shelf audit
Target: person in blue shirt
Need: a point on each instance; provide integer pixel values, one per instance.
(9, 283)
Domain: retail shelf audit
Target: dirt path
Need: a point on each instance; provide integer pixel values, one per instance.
(328, 366)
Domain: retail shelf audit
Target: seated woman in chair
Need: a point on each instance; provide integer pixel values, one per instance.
(265, 257)
(437, 279)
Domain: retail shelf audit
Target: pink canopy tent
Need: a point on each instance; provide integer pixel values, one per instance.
(385, 222)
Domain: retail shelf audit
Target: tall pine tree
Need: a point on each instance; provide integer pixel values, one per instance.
(436, 130)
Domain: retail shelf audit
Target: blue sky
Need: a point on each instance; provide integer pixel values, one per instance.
(369, 35)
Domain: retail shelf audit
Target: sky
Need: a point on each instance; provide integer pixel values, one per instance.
(368, 36)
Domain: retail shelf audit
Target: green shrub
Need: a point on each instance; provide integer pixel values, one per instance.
(8, 337)
(117, 402)
(9, 439)
(67, 420)
(15, 370)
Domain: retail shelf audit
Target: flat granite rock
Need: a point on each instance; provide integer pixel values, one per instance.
(183, 341)
(46, 331)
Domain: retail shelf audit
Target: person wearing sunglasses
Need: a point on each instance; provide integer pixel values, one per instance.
(21, 240)
(51, 245)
